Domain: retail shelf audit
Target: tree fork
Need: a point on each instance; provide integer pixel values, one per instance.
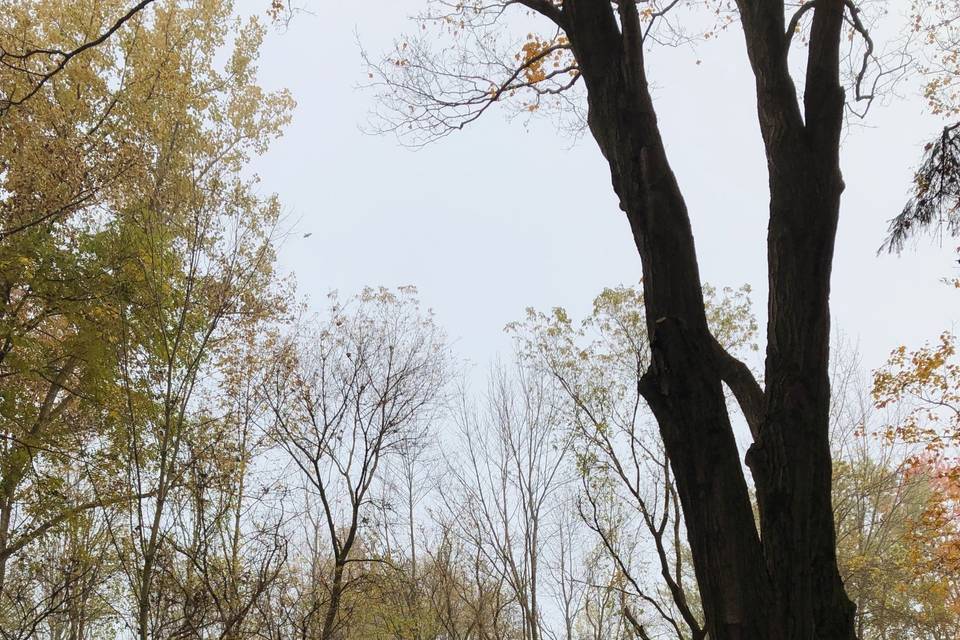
(788, 586)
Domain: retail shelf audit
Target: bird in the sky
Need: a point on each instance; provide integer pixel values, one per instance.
(307, 235)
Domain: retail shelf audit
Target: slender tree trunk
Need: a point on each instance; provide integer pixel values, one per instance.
(13, 466)
(333, 606)
(410, 529)
(6, 512)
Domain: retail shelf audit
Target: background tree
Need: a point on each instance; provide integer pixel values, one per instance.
(133, 251)
(353, 394)
(628, 498)
(880, 502)
(507, 487)
(925, 382)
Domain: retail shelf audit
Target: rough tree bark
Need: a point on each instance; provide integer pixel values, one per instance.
(782, 583)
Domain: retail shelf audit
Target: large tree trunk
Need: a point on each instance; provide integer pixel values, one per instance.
(788, 586)
(790, 457)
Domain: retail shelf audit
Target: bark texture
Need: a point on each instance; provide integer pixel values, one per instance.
(780, 582)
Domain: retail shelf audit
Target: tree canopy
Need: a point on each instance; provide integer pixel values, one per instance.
(191, 449)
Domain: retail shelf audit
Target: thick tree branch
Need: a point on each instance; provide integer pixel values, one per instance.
(745, 387)
(823, 93)
(795, 23)
(767, 42)
(638, 628)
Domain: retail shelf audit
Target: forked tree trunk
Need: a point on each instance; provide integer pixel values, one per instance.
(781, 583)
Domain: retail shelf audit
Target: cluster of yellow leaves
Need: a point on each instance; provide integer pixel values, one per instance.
(276, 9)
(936, 24)
(896, 545)
(543, 59)
(925, 383)
(540, 57)
(928, 381)
(935, 533)
(533, 57)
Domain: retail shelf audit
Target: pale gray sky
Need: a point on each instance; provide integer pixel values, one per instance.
(490, 221)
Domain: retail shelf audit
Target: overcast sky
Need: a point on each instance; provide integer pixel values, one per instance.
(502, 216)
